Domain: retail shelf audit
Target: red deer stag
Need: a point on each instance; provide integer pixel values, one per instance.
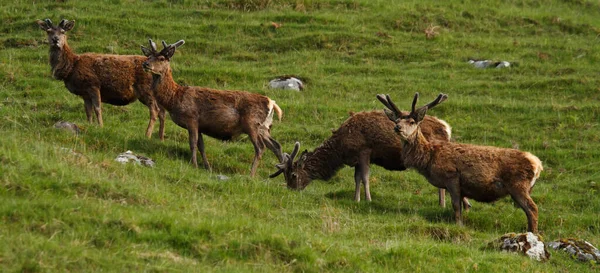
(483, 173)
(364, 138)
(112, 79)
(221, 114)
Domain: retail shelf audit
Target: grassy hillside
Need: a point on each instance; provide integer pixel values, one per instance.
(66, 205)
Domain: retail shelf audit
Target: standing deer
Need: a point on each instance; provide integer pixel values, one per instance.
(221, 114)
(483, 173)
(364, 138)
(112, 79)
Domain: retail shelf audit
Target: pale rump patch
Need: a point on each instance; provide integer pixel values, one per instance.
(265, 126)
(274, 105)
(447, 127)
(537, 166)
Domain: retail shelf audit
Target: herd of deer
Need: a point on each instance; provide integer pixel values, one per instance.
(393, 139)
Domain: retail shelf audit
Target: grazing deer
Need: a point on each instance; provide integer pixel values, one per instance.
(364, 138)
(112, 79)
(483, 173)
(221, 114)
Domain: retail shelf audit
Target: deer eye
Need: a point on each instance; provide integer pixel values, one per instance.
(412, 122)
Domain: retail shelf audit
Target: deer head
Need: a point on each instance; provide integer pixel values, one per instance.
(158, 62)
(406, 124)
(295, 176)
(56, 34)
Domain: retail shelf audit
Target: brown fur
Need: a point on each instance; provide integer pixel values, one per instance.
(483, 173)
(221, 114)
(112, 79)
(364, 138)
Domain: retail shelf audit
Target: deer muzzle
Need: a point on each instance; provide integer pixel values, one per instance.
(146, 67)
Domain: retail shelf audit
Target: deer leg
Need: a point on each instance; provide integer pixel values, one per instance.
(442, 197)
(364, 161)
(528, 206)
(96, 103)
(202, 152)
(193, 133)
(357, 178)
(89, 110)
(161, 117)
(258, 151)
(466, 204)
(454, 190)
(153, 108)
(366, 182)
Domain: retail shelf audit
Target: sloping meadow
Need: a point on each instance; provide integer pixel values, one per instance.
(66, 205)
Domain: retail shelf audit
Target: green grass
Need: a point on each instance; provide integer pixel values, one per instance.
(62, 211)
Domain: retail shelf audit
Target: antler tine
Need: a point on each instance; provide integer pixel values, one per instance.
(394, 107)
(281, 166)
(295, 151)
(382, 99)
(152, 45)
(179, 43)
(48, 22)
(165, 44)
(277, 173)
(440, 98)
(62, 22)
(414, 103)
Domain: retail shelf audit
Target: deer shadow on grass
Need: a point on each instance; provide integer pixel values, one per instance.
(427, 209)
(387, 203)
(177, 151)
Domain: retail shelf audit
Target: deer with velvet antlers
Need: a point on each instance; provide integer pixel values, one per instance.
(364, 138)
(108, 78)
(483, 173)
(221, 114)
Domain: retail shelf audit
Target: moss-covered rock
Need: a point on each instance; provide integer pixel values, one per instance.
(579, 249)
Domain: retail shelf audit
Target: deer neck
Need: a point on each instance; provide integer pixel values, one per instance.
(416, 151)
(62, 61)
(165, 89)
(324, 162)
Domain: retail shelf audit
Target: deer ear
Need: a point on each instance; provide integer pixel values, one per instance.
(303, 156)
(420, 114)
(170, 51)
(68, 25)
(43, 25)
(147, 52)
(391, 115)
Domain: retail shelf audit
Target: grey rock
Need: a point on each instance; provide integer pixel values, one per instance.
(222, 177)
(129, 157)
(489, 64)
(68, 126)
(287, 83)
(527, 244)
(578, 249)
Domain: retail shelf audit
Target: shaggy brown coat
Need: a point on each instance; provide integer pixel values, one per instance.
(112, 79)
(221, 114)
(364, 138)
(482, 173)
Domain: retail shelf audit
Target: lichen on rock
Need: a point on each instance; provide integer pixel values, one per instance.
(128, 156)
(579, 249)
(528, 244)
